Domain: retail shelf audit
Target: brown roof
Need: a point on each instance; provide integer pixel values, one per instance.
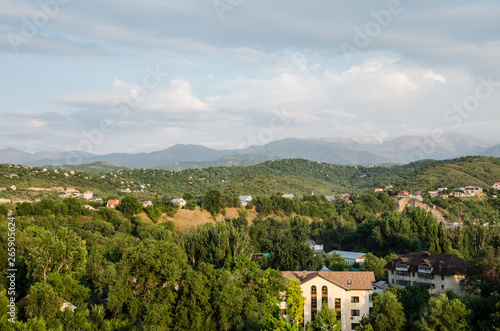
(450, 264)
(348, 280)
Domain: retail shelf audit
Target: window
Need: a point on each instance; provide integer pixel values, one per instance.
(314, 302)
(370, 297)
(355, 312)
(401, 265)
(442, 277)
(338, 308)
(424, 267)
(354, 326)
(354, 299)
(324, 295)
(442, 287)
(413, 274)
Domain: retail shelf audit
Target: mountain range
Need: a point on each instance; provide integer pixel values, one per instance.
(342, 151)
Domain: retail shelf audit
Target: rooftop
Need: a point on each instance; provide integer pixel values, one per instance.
(348, 280)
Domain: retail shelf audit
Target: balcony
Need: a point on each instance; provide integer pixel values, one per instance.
(426, 269)
(425, 276)
(401, 266)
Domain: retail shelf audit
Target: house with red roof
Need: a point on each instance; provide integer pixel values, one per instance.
(113, 203)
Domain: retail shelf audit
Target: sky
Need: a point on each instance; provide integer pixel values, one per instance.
(138, 76)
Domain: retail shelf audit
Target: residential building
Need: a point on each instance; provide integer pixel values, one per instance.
(388, 188)
(147, 203)
(4, 200)
(179, 202)
(88, 195)
(380, 287)
(89, 207)
(347, 292)
(288, 195)
(12, 187)
(350, 257)
(496, 186)
(113, 203)
(474, 190)
(330, 198)
(245, 200)
(317, 248)
(379, 189)
(403, 194)
(437, 272)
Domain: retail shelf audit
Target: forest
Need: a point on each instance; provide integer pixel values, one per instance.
(120, 272)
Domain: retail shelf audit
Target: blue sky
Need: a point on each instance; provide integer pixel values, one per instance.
(129, 76)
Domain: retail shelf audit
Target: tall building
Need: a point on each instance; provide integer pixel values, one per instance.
(348, 292)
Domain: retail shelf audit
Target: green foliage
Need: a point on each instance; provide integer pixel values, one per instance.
(130, 206)
(444, 314)
(295, 301)
(44, 302)
(387, 313)
(212, 201)
(153, 213)
(376, 264)
(63, 252)
(326, 319)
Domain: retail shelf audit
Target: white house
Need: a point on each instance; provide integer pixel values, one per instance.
(245, 200)
(350, 257)
(473, 190)
(288, 195)
(179, 202)
(147, 203)
(88, 195)
(437, 272)
(317, 248)
(347, 292)
(496, 186)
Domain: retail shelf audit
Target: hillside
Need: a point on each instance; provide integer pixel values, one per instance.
(295, 176)
(91, 168)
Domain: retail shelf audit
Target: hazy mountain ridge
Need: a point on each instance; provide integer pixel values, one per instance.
(342, 151)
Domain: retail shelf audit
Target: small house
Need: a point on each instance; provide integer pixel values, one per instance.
(180, 202)
(245, 200)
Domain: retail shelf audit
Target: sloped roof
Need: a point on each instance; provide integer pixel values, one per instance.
(348, 280)
(450, 264)
(348, 255)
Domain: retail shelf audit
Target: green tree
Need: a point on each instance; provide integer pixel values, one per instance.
(375, 264)
(64, 252)
(144, 287)
(326, 320)
(387, 313)
(445, 315)
(153, 213)
(43, 302)
(212, 202)
(295, 301)
(130, 206)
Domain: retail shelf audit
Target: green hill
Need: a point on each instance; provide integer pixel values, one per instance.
(295, 176)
